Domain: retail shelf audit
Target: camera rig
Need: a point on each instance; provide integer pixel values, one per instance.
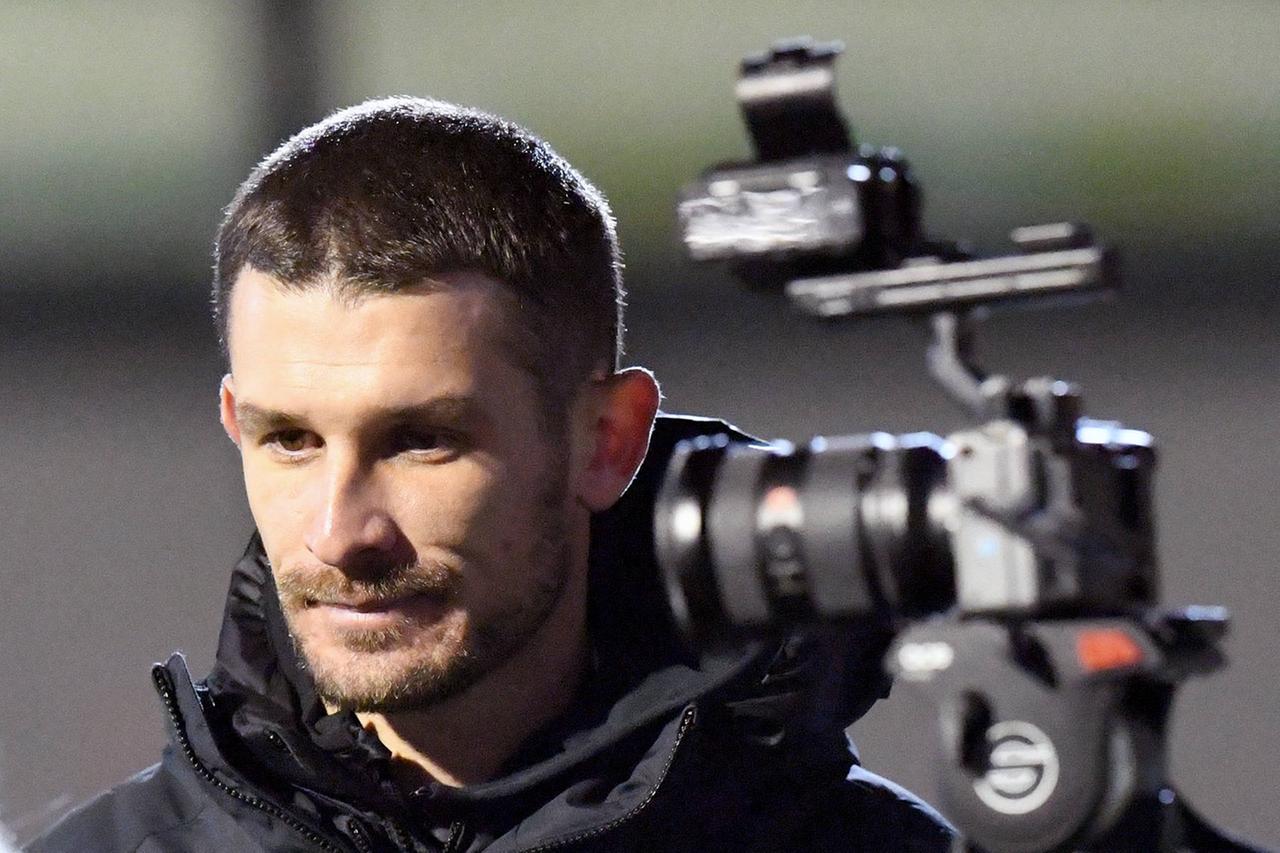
(1015, 560)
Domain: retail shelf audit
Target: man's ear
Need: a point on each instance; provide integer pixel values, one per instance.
(622, 407)
(227, 408)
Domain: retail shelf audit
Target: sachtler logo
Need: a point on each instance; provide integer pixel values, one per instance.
(1023, 769)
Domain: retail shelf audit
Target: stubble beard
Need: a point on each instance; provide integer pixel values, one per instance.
(409, 666)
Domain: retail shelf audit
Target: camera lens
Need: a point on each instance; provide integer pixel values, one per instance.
(752, 537)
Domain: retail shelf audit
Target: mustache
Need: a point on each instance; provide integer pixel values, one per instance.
(303, 586)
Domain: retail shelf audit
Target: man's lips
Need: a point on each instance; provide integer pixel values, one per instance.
(376, 612)
(363, 606)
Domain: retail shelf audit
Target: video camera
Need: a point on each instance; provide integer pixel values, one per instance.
(1016, 560)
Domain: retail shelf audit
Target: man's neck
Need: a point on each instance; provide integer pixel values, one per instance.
(467, 738)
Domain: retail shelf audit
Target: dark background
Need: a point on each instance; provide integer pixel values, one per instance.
(126, 126)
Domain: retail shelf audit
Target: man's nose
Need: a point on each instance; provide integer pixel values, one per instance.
(350, 523)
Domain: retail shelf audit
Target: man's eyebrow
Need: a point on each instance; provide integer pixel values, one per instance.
(451, 410)
(255, 419)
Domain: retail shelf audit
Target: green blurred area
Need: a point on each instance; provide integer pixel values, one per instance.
(127, 125)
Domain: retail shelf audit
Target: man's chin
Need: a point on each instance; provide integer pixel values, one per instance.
(376, 679)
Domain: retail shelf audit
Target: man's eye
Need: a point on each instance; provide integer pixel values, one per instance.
(291, 441)
(423, 442)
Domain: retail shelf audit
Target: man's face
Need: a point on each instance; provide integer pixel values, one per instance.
(417, 517)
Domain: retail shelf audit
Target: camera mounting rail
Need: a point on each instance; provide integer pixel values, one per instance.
(1055, 259)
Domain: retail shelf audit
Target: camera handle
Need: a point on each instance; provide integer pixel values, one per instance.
(952, 362)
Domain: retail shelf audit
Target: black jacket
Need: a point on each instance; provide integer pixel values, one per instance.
(661, 751)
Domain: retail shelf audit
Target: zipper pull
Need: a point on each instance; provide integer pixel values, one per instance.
(359, 835)
(458, 837)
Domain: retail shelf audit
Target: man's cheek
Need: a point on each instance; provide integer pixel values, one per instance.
(263, 495)
(453, 509)
(278, 507)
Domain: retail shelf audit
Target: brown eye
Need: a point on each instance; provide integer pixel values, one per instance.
(291, 441)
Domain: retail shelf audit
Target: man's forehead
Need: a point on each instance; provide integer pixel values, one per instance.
(450, 318)
(261, 304)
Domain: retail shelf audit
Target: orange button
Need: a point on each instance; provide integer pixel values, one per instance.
(1107, 648)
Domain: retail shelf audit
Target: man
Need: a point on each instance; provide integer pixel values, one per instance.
(441, 636)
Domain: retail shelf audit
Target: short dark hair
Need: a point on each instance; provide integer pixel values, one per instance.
(386, 194)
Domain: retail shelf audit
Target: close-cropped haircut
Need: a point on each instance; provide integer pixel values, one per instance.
(387, 194)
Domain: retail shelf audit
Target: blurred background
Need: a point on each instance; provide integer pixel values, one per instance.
(125, 127)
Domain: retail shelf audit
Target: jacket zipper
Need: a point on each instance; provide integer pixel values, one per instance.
(402, 838)
(165, 689)
(685, 724)
(457, 832)
(357, 835)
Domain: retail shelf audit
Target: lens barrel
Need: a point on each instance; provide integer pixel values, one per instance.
(752, 537)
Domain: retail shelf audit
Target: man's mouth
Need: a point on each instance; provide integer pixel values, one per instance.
(365, 606)
(379, 612)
